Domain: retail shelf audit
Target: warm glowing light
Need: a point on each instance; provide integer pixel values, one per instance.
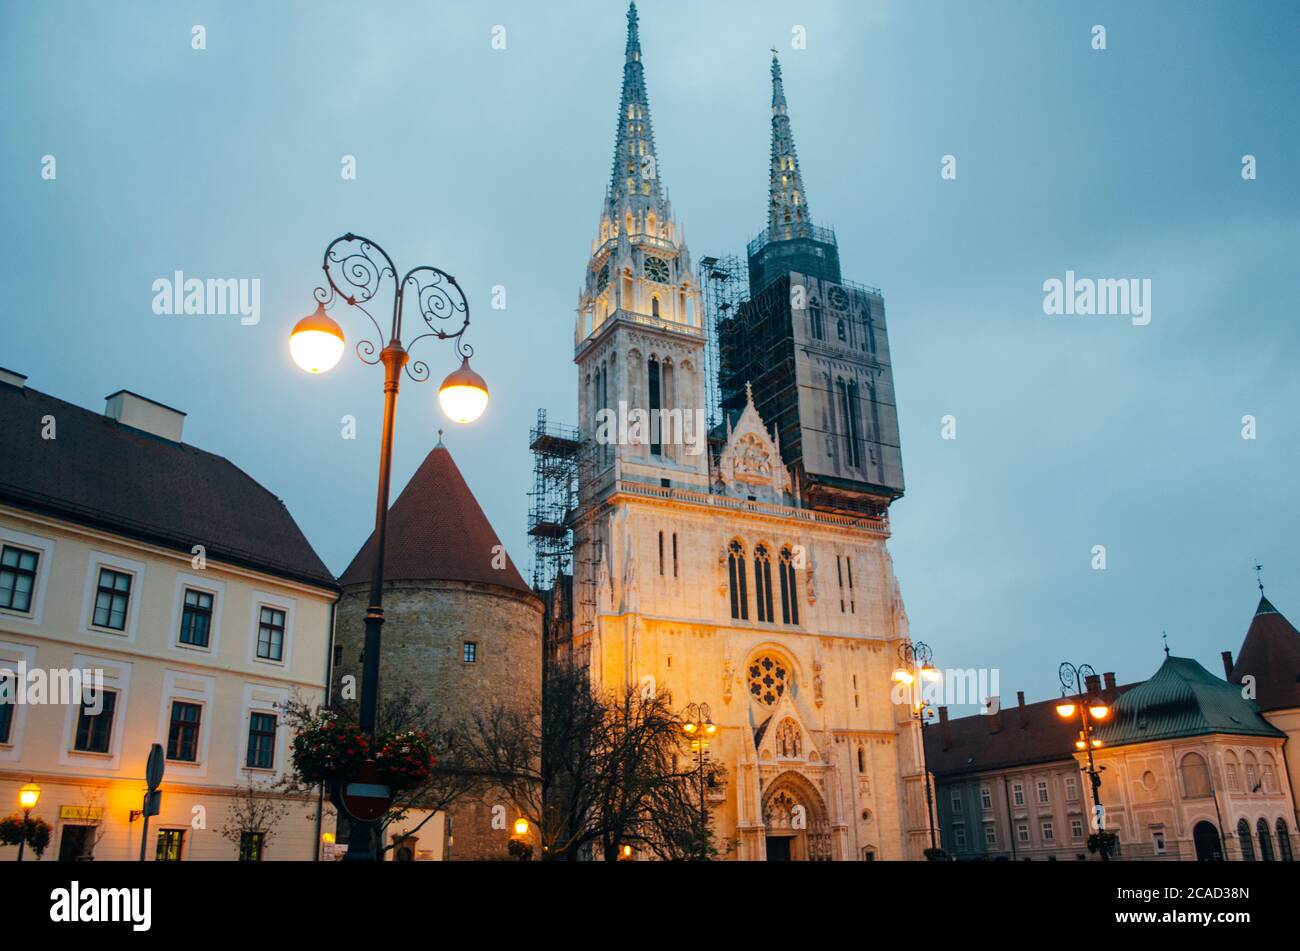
(627, 851)
(1065, 708)
(1096, 744)
(316, 343)
(710, 727)
(29, 795)
(1099, 711)
(1080, 745)
(902, 676)
(327, 838)
(463, 395)
(521, 826)
(930, 673)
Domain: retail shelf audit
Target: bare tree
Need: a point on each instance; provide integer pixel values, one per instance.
(255, 811)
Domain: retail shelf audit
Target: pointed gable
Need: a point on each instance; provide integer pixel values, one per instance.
(438, 532)
(750, 462)
(1271, 655)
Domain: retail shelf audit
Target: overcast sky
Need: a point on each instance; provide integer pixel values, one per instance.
(1071, 431)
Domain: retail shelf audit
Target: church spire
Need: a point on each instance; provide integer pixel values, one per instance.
(635, 174)
(788, 204)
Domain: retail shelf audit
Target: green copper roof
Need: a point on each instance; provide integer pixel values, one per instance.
(1182, 699)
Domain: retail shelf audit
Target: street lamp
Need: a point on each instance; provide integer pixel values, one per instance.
(1091, 710)
(916, 656)
(699, 726)
(317, 343)
(28, 797)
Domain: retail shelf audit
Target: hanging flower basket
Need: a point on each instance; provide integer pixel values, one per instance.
(329, 750)
(406, 758)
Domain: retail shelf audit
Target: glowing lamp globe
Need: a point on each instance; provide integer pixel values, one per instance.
(29, 795)
(521, 826)
(1065, 709)
(463, 395)
(316, 343)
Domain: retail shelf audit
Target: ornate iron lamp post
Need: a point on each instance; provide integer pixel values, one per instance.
(915, 662)
(28, 796)
(699, 726)
(356, 268)
(1091, 710)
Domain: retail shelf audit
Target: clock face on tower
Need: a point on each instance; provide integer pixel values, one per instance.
(656, 269)
(603, 277)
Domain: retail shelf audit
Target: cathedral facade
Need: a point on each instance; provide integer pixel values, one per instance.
(746, 567)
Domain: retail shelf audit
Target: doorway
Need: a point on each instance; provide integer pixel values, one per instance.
(77, 844)
(1206, 838)
(778, 848)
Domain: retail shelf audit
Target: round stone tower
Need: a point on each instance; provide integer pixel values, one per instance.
(462, 630)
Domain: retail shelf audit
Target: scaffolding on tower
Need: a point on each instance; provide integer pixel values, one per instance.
(724, 284)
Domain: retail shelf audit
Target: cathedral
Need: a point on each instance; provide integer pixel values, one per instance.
(744, 565)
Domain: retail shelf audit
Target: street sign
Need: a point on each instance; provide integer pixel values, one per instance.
(153, 802)
(366, 797)
(153, 772)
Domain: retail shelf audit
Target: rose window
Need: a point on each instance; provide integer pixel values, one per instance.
(768, 678)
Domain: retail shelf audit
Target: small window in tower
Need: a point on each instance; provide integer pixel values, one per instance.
(674, 554)
(654, 306)
(469, 652)
(661, 554)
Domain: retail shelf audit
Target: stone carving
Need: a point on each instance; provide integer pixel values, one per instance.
(818, 684)
(789, 739)
(723, 581)
(750, 462)
(728, 676)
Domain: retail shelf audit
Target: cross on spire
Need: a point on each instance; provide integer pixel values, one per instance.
(1259, 577)
(1166, 639)
(787, 201)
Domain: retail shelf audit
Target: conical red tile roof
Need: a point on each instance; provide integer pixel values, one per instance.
(437, 532)
(1271, 654)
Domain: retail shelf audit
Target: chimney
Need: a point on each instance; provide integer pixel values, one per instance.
(1227, 664)
(12, 378)
(994, 714)
(1109, 692)
(945, 733)
(1092, 685)
(1024, 715)
(144, 414)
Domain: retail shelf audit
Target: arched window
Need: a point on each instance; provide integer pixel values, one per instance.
(1252, 773)
(1284, 842)
(789, 591)
(654, 306)
(1243, 839)
(736, 573)
(1196, 777)
(763, 584)
(1265, 840)
(816, 308)
(656, 404)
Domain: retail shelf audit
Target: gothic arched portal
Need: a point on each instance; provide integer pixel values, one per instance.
(795, 822)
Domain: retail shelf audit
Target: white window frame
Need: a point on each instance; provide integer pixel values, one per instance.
(1022, 833)
(959, 836)
(986, 798)
(956, 800)
(1071, 788)
(265, 599)
(44, 548)
(990, 834)
(187, 687)
(1047, 829)
(211, 586)
(1018, 794)
(1044, 793)
(98, 561)
(11, 655)
(117, 676)
(261, 698)
(1076, 828)
(1158, 841)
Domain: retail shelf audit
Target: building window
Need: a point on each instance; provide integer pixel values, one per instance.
(183, 735)
(1243, 839)
(1265, 841)
(848, 573)
(849, 411)
(270, 634)
(1234, 784)
(959, 836)
(767, 679)
(990, 834)
(261, 741)
(763, 584)
(661, 554)
(1042, 791)
(1049, 831)
(862, 760)
(8, 703)
(112, 596)
(1071, 789)
(656, 432)
(1158, 841)
(1022, 832)
(956, 802)
(789, 590)
(674, 554)
(170, 842)
(816, 308)
(986, 798)
(17, 578)
(1283, 842)
(251, 845)
(338, 654)
(196, 618)
(1076, 828)
(95, 730)
(1196, 776)
(1018, 794)
(736, 574)
(469, 652)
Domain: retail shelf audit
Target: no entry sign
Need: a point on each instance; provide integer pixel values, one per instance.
(367, 796)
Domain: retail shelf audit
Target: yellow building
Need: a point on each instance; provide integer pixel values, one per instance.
(185, 595)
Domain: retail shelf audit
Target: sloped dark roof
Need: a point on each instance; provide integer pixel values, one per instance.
(106, 475)
(437, 532)
(1034, 733)
(1182, 699)
(1271, 654)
